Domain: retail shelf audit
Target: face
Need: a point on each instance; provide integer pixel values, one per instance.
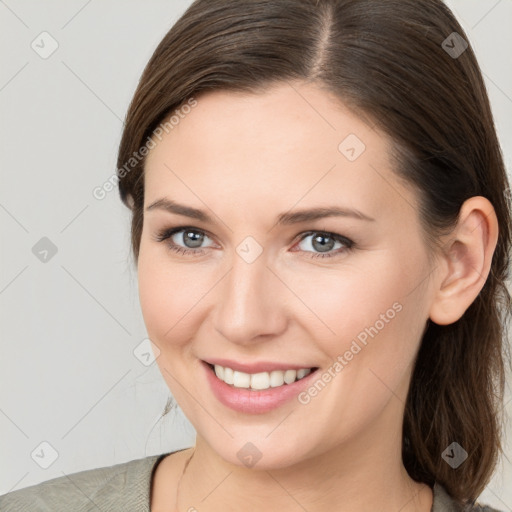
(254, 273)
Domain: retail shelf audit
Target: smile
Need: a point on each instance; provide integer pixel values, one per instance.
(261, 380)
(256, 387)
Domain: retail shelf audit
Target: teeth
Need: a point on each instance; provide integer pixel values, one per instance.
(228, 376)
(241, 380)
(290, 376)
(219, 371)
(276, 379)
(259, 381)
(302, 373)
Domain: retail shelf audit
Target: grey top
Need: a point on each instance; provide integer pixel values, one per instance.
(126, 487)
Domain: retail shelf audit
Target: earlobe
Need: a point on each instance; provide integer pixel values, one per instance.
(466, 261)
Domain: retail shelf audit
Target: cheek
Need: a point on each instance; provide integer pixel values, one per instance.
(371, 315)
(378, 316)
(167, 297)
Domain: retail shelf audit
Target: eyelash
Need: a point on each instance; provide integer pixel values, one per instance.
(166, 234)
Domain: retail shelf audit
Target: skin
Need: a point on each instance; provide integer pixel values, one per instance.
(244, 159)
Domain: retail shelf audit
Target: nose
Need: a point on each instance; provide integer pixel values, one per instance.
(249, 303)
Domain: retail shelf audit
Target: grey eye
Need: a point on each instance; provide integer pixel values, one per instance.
(319, 242)
(190, 238)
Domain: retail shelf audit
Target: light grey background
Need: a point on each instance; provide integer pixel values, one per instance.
(70, 325)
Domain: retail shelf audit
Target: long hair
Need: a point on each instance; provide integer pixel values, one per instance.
(406, 65)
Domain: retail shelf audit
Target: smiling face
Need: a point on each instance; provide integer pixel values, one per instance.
(262, 290)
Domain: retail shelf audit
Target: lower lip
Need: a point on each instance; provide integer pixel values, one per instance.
(251, 401)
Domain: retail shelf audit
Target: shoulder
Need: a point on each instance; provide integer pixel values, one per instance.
(443, 502)
(122, 486)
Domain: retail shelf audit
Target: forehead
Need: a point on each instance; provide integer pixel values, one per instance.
(287, 144)
(286, 116)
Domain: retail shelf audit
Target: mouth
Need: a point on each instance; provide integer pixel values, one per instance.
(259, 381)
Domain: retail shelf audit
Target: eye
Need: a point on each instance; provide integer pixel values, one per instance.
(192, 239)
(325, 242)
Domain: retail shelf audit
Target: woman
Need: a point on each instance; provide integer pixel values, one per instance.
(322, 238)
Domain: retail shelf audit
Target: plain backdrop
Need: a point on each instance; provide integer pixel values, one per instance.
(76, 391)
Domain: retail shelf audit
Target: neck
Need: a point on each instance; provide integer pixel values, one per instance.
(363, 474)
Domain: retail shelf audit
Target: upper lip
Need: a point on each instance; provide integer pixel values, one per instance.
(256, 367)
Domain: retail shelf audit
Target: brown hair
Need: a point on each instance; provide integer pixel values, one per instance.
(390, 61)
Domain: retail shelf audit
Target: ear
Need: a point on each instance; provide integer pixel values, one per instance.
(466, 261)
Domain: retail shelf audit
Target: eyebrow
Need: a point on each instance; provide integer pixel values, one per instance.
(284, 219)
